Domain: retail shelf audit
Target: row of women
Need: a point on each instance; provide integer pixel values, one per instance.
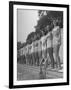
(48, 47)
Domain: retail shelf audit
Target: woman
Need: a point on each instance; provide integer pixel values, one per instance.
(56, 45)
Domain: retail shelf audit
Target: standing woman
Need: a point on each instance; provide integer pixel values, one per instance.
(50, 49)
(57, 44)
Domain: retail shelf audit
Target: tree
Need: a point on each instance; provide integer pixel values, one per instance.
(57, 17)
(38, 34)
(43, 22)
(18, 45)
(30, 38)
(50, 19)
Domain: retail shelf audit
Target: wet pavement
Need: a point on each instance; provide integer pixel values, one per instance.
(26, 72)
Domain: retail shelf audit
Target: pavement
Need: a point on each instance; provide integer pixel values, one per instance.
(26, 72)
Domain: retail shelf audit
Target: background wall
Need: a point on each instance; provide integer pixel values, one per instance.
(4, 43)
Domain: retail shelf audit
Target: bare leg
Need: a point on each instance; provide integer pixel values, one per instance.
(50, 51)
(58, 64)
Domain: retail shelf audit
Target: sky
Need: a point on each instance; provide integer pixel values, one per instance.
(26, 20)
